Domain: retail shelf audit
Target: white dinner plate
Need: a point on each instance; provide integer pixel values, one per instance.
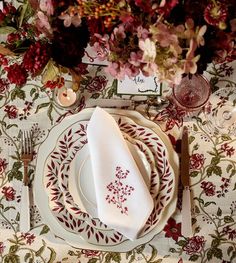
(77, 231)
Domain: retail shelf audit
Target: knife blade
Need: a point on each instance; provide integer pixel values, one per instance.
(186, 228)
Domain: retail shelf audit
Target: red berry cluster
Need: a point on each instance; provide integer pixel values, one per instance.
(16, 74)
(58, 83)
(36, 57)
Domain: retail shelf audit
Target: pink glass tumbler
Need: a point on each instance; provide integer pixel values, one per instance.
(192, 93)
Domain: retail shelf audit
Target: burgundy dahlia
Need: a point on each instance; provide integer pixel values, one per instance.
(16, 74)
(36, 57)
(69, 43)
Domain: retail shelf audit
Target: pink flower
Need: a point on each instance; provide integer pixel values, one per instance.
(90, 253)
(197, 161)
(47, 6)
(42, 23)
(98, 83)
(9, 193)
(3, 165)
(227, 149)
(194, 245)
(28, 237)
(70, 19)
(209, 188)
(12, 111)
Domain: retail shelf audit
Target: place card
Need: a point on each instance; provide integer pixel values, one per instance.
(140, 85)
(91, 57)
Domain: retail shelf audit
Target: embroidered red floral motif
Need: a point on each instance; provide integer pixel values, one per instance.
(119, 191)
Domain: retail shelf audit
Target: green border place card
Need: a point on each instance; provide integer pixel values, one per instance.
(139, 85)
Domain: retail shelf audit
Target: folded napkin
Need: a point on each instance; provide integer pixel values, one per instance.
(123, 199)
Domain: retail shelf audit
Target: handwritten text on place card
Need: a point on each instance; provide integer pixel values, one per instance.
(139, 85)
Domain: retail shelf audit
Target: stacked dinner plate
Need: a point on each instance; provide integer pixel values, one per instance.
(64, 188)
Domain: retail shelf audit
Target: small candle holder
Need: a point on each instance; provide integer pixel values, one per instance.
(66, 97)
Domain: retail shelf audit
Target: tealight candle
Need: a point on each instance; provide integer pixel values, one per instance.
(66, 97)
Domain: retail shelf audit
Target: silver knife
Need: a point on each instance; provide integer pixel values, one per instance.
(186, 229)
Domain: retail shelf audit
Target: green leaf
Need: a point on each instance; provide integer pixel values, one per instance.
(218, 253)
(32, 91)
(229, 167)
(215, 160)
(132, 259)
(12, 258)
(182, 243)
(128, 254)
(194, 258)
(209, 203)
(52, 255)
(23, 13)
(215, 243)
(196, 209)
(27, 256)
(7, 30)
(195, 128)
(219, 212)
(13, 249)
(154, 253)
(116, 257)
(108, 258)
(225, 137)
(49, 112)
(15, 173)
(11, 125)
(191, 139)
(45, 230)
(228, 219)
(233, 256)
(18, 93)
(229, 250)
(233, 172)
(112, 90)
(210, 253)
(194, 174)
(43, 105)
(234, 187)
(140, 249)
(93, 260)
(95, 95)
(214, 170)
(40, 251)
(35, 96)
(8, 208)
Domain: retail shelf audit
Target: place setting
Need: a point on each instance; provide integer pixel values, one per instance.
(94, 170)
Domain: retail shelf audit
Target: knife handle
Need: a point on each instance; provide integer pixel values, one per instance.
(25, 210)
(186, 229)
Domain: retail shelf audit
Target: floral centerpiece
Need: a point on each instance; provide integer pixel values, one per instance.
(165, 38)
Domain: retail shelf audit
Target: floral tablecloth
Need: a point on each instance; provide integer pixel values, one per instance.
(213, 183)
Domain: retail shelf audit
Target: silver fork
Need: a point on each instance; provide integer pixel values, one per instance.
(26, 158)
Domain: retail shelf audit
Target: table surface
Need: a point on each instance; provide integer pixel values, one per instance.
(213, 181)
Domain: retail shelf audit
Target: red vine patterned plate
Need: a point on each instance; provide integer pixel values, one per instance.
(73, 228)
(80, 181)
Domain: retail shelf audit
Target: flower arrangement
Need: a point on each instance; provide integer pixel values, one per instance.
(165, 38)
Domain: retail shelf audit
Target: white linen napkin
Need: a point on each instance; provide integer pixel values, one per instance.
(123, 199)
